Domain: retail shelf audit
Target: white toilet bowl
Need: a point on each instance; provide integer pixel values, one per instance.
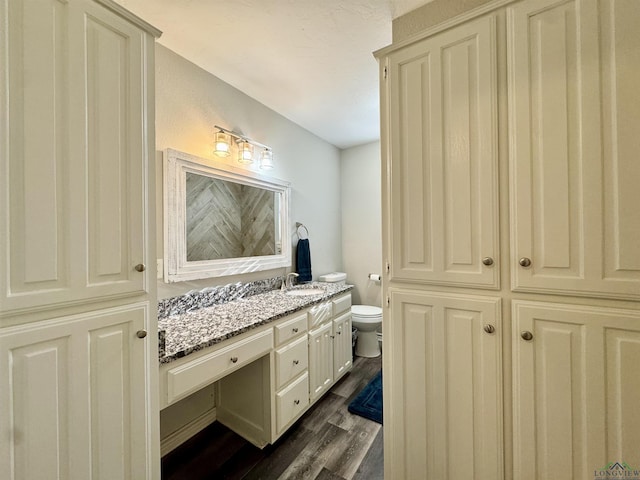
(367, 319)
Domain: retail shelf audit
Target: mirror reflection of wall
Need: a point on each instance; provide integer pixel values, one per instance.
(229, 220)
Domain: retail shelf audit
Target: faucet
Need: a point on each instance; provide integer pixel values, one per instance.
(287, 281)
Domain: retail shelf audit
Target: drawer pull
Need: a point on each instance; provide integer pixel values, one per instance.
(295, 330)
(297, 402)
(339, 332)
(296, 362)
(234, 359)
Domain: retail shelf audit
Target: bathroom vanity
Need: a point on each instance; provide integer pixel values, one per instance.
(272, 355)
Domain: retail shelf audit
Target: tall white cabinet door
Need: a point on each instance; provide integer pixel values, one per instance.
(573, 231)
(74, 404)
(443, 393)
(342, 350)
(620, 50)
(320, 360)
(442, 132)
(576, 390)
(73, 155)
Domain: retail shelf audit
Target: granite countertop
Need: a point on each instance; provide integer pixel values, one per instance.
(189, 332)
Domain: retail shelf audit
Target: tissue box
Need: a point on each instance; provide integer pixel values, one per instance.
(334, 277)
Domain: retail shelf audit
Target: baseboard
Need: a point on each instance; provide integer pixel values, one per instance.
(183, 434)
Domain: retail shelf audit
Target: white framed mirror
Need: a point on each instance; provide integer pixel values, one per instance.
(220, 220)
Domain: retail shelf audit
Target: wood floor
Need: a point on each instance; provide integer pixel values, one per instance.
(327, 443)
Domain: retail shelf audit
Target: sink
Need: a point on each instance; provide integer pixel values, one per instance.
(303, 292)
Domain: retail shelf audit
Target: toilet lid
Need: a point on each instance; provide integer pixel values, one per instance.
(366, 311)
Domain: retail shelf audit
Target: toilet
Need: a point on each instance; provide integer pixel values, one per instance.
(368, 320)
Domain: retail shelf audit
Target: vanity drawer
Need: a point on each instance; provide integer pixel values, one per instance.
(204, 370)
(291, 328)
(291, 360)
(341, 304)
(291, 401)
(320, 314)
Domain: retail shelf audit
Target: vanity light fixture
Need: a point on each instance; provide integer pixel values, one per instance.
(245, 148)
(245, 152)
(266, 159)
(223, 144)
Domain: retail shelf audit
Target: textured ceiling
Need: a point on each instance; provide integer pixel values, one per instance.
(309, 60)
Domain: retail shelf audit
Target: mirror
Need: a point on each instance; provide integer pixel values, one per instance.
(220, 220)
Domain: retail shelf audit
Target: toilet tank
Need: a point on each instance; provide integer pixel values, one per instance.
(333, 277)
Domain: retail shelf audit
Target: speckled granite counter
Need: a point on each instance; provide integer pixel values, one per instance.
(195, 330)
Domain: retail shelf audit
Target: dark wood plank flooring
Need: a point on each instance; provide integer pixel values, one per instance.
(327, 443)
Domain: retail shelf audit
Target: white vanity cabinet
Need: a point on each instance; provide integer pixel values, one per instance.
(320, 349)
(291, 360)
(78, 347)
(268, 377)
(342, 344)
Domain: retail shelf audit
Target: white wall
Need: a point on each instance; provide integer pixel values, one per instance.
(362, 221)
(190, 101)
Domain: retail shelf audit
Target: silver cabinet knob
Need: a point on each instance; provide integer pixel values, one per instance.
(526, 335)
(297, 402)
(489, 328)
(296, 362)
(487, 261)
(525, 262)
(141, 333)
(234, 359)
(295, 330)
(141, 267)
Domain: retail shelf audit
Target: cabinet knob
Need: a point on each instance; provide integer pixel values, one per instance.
(526, 335)
(141, 267)
(487, 261)
(339, 332)
(296, 362)
(525, 262)
(297, 402)
(141, 333)
(489, 328)
(295, 330)
(234, 359)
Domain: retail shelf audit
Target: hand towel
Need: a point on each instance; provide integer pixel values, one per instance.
(303, 261)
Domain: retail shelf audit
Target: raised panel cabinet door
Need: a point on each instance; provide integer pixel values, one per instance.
(572, 103)
(74, 405)
(443, 218)
(342, 350)
(74, 86)
(575, 390)
(443, 386)
(320, 360)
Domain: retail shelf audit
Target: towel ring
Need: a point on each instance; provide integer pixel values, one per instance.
(298, 227)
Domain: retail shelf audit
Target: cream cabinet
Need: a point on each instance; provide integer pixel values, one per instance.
(443, 386)
(555, 83)
(574, 171)
(268, 377)
(73, 167)
(75, 401)
(342, 345)
(320, 359)
(576, 389)
(78, 341)
(441, 104)
(342, 342)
